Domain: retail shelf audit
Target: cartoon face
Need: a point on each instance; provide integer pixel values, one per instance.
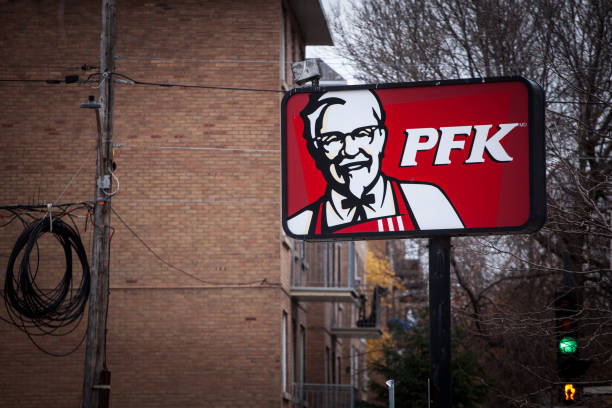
(350, 141)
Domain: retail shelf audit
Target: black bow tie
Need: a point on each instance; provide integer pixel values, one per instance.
(358, 204)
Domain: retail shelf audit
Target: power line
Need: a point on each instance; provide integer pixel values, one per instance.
(48, 81)
(245, 201)
(176, 268)
(131, 81)
(231, 149)
(68, 79)
(75, 175)
(580, 103)
(26, 206)
(43, 66)
(212, 60)
(83, 67)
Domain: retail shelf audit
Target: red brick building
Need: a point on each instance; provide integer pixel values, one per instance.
(219, 309)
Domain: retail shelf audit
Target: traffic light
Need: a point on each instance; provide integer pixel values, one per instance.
(566, 327)
(569, 366)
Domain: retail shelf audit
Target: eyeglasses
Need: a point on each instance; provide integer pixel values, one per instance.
(332, 139)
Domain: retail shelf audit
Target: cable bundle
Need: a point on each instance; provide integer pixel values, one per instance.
(47, 310)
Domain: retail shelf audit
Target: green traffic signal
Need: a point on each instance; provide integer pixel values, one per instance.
(568, 345)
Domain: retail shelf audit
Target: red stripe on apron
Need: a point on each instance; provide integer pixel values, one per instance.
(401, 206)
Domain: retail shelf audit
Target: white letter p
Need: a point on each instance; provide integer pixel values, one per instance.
(414, 144)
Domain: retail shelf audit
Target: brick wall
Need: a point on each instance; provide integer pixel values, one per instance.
(199, 182)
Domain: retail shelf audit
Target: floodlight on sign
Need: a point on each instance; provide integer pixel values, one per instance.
(305, 71)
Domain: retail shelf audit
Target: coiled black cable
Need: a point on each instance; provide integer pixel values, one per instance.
(39, 311)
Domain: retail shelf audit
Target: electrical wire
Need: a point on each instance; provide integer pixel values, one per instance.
(75, 174)
(221, 149)
(39, 207)
(83, 67)
(579, 103)
(131, 81)
(37, 311)
(211, 60)
(135, 82)
(171, 85)
(162, 260)
(48, 81)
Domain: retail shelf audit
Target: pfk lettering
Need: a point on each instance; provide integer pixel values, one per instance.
(447, 139)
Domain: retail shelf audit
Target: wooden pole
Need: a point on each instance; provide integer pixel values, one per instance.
(96, 382)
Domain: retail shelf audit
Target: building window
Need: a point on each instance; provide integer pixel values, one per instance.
(339, 266)
(330, 265)
(295, 348)
(328, 366)
(355, 367)
(333, 367)
(284, 352)
(297, 262)
(302, 354)
(294, 277)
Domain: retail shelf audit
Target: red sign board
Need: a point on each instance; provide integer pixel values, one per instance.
(462, 157)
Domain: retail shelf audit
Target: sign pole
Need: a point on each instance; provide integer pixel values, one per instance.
(439, 322)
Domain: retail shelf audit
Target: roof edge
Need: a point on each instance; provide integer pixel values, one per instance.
(312, 21)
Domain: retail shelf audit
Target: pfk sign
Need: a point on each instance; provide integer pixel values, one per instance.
(463, 157)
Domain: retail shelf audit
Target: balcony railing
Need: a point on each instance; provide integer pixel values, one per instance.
(323, 272)
(355, 321)
(324, 396)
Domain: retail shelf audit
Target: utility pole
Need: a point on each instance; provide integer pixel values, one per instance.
(96, 382)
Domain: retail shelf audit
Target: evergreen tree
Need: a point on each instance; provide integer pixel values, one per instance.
(404, 357)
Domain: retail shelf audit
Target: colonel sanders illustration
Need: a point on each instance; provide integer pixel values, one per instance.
(346, 135)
